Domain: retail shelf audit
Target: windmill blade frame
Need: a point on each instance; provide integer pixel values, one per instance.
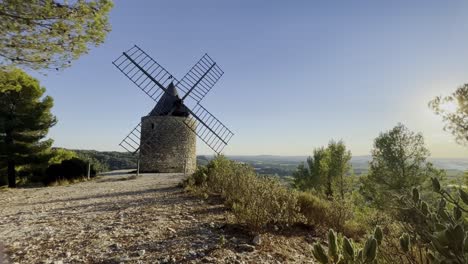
(212, 131)
(200, 79)
(144, 72)
(131, 142)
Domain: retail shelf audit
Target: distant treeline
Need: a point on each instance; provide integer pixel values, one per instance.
(112, 160)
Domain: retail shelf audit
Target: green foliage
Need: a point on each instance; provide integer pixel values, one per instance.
(343, 250)
(326, 167)
(59, 155)
(49, 34)
(25, 119)
(454, 112)
(325, 213)
(398, 164)
(259, 200)
(97, 165)
(69, 170)
(339, 166)
(440, 227)
(313, 174)
(255, 200)
(110, 160)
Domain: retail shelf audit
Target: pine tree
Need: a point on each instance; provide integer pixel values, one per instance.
(399, 163)
(41, 34)
(25, 119)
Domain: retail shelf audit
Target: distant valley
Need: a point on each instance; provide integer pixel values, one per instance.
(269, 164)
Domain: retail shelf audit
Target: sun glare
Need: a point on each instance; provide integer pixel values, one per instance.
(449, 107)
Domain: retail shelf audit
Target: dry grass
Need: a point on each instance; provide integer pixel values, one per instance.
(255, 201)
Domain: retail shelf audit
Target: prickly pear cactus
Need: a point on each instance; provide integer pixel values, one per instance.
(444, 225)
(344, 251)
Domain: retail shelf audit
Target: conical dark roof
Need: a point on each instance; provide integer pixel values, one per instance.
(167, 102)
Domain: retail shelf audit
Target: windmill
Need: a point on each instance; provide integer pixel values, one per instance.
(165, 138)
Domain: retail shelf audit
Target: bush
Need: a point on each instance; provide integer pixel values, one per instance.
(256, 201)
(70, 170)
(3, 180)
(314, 209)
(325, 214)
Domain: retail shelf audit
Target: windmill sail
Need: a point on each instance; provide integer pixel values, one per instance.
(131, 142)
(144, 71)
(200, 79)
(209, 129)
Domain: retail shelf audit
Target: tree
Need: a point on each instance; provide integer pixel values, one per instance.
(454, 112)
(42, 34)
(25, 119)
(312, 174)
(60, 154)
(398, 164)
(339, 165)
(324, 168)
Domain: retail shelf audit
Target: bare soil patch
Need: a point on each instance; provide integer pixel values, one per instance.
(123, 219)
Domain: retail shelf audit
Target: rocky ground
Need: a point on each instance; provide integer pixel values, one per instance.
(122, 219)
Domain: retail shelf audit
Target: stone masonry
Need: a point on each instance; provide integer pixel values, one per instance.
(167, 144)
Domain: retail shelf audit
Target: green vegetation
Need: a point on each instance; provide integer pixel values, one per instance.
(109, 160)
(67, 171)
(25, 119)
(50, 34)
(454, 112)
(437, 226)
(344, 250)
(399, 163)
(255, 201)
(325, 170)
(260, 201)
(413, 218)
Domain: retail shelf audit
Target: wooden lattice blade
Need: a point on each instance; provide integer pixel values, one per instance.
(200, 79)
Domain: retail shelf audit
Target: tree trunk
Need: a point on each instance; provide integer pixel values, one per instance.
(342, 187)
(329, 191)
(11, 174)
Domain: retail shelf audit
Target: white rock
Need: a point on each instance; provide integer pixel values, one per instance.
(257, 240)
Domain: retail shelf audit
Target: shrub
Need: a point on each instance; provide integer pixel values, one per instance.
(3, 180)
(314, 209)
(69, 170)
(256, 201)
(325, 214)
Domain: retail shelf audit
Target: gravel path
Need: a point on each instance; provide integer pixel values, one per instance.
(115, 219)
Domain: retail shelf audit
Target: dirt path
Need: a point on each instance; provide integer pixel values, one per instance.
(118, 220)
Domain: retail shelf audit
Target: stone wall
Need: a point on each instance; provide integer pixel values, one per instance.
(167, 144)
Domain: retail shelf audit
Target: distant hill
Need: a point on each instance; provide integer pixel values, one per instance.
(266, 164)
(113, 159)
(285, 165)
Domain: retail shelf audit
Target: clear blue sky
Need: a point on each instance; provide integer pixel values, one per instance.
(297, 73)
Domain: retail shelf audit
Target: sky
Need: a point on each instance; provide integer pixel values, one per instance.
(297, 73)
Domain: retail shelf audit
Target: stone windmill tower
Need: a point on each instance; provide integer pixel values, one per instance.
(165, 140)
(167, 143)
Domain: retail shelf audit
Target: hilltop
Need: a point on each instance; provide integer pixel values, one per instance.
(144, 219)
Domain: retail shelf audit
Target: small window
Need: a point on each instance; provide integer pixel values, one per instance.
(152, 125)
